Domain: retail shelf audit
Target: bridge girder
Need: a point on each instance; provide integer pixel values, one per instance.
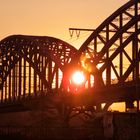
(33, 61)
(112, 53)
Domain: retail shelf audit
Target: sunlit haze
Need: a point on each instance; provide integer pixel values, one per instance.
(78, 78)
(54, 17)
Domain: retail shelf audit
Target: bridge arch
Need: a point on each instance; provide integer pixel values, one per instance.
(108, 38)
(29, 64)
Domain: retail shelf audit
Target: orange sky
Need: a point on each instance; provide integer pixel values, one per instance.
(53, 17)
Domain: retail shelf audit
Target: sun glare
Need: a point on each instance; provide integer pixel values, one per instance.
(78, 78)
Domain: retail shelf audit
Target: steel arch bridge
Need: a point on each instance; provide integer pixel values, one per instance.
(115, 44)
(30, 65)
(113, 49)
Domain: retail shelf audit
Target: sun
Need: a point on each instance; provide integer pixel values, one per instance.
(78, 78)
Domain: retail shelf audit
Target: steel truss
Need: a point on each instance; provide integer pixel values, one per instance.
(116, 55)
(111, 54)
(29, 64)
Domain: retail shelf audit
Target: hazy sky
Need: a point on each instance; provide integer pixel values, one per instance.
(53, 17)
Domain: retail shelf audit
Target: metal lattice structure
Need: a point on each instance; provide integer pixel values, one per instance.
(110, 56)
(30, 64)
(114, 47)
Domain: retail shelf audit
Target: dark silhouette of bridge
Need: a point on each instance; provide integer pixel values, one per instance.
(40, 67)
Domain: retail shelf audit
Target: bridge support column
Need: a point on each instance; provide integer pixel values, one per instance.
(98, 107)
(138, 106)
(129, 105)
